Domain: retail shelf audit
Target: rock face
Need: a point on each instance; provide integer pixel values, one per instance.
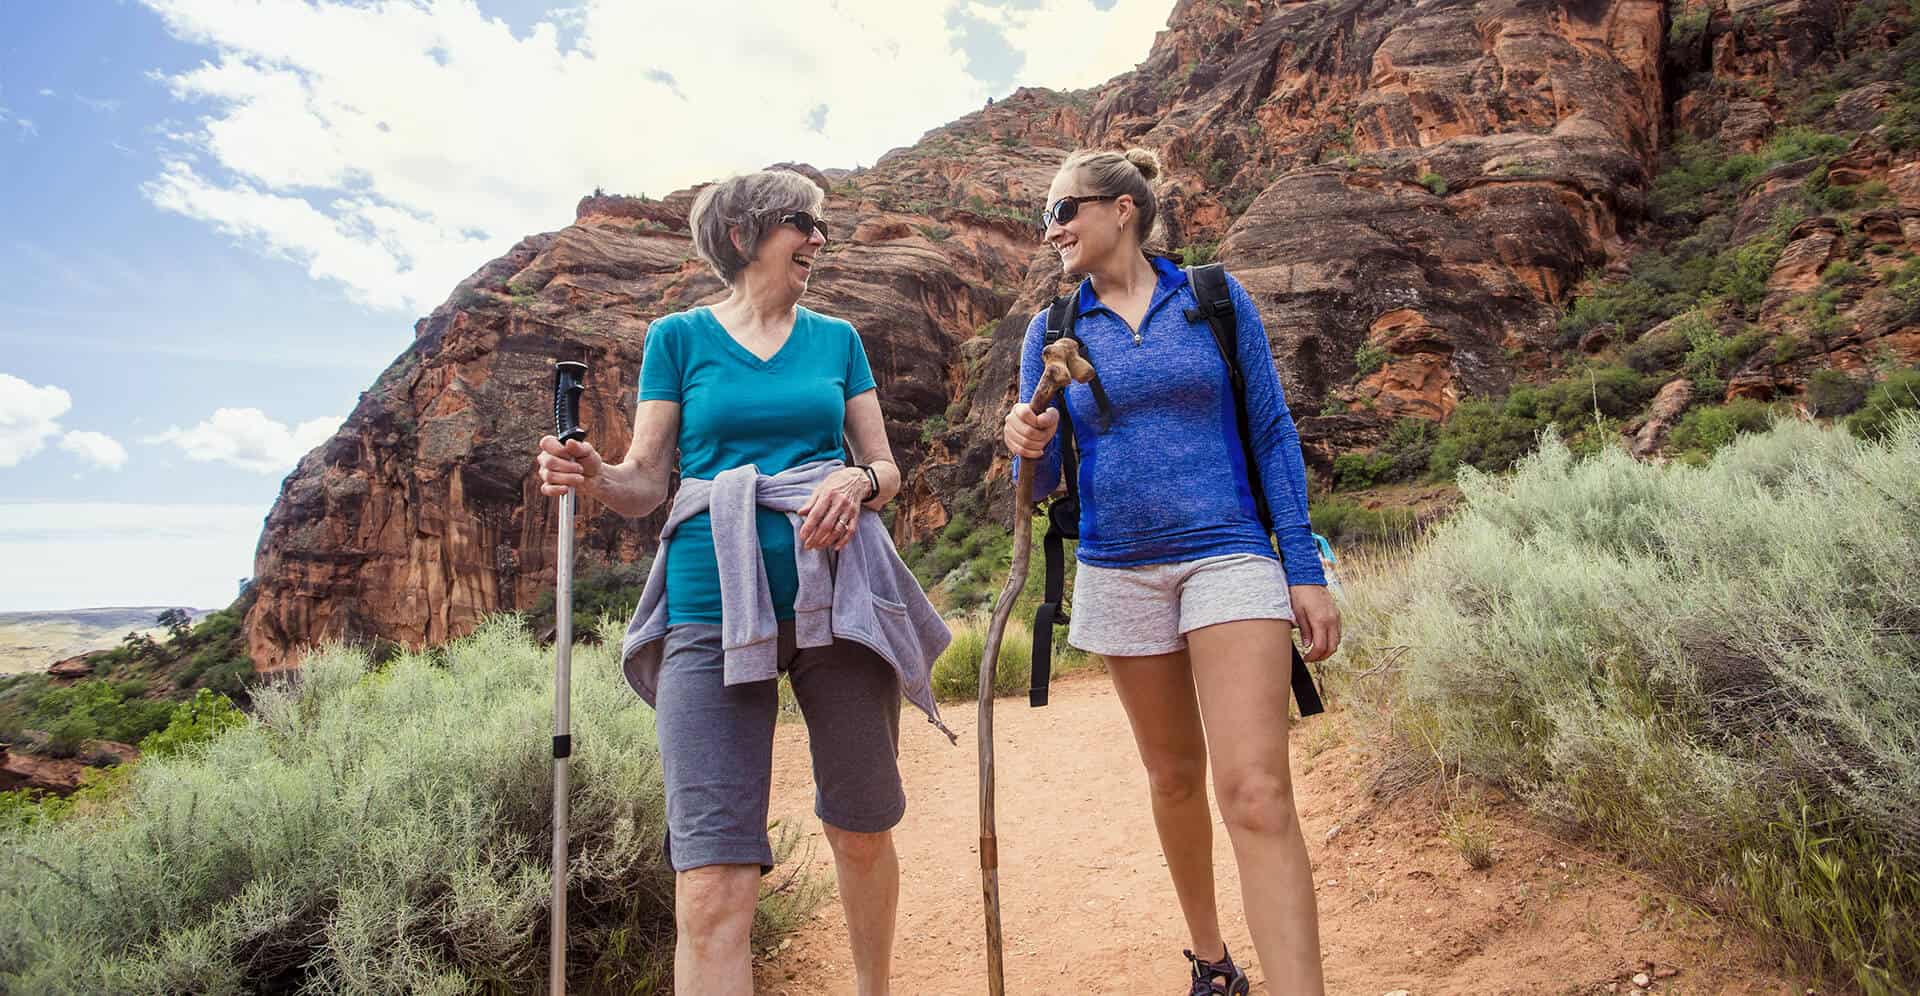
(21, 770)
(1425, 181)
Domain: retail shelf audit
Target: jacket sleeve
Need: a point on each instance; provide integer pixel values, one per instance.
(1276, 444)
(1046, 471)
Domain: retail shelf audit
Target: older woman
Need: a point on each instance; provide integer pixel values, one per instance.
(756, 394)
(1178, 586)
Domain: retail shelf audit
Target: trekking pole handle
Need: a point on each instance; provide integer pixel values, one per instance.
(569, 382)
(1064, 365)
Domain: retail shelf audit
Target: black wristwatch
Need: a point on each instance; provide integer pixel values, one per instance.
(873, 482)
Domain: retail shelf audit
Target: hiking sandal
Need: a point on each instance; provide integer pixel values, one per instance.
(1217, 978)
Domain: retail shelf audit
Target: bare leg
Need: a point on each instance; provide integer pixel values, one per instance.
(1240, 670)
(1158, 695)
(713, 909)
(869, 873)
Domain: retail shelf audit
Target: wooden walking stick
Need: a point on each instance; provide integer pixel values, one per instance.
(1063, 364)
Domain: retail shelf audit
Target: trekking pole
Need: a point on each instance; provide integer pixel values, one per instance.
(569, 380)
(1063, 364)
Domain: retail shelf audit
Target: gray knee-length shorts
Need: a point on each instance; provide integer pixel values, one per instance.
(716, 744)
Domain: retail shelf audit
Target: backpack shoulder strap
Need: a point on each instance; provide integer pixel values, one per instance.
(1215, 307)
(1061, 317)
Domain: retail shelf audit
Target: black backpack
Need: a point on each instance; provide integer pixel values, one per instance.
(1063, 513)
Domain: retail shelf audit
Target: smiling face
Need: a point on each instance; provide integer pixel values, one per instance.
(1096, 232)
(785, 254)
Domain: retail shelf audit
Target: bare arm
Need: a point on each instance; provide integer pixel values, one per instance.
(867, 433)
(633, 487)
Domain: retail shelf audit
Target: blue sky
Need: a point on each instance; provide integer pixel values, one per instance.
(221, 217)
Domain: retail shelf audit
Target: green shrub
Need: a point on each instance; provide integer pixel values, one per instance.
(96, 709)
(1831, 393)
(1369, 358)
(599, 591)
(1707, 428)
(956, 675)
(1348, 522)
(1687, 29)
(1354, 471)
(1480, 434)
(1711, 670)
(368, 831)
(1659, 351)
(1710, 355)
(1199, 254)
(1434, 182)
(1844, 272)
(1900, 392)
(193, 722)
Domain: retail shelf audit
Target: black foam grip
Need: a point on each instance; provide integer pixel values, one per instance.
(563, 746)
(569, 381)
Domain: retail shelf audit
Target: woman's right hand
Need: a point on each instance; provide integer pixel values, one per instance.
(568, 466)
(1027, 434)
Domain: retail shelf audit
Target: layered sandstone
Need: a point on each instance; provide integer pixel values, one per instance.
(1430, 182)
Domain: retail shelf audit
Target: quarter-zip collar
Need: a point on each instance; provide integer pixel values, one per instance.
(1172, 279)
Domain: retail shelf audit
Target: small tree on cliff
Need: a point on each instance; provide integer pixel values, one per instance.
(179, 624)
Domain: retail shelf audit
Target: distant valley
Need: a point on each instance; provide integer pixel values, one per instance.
(31, 641)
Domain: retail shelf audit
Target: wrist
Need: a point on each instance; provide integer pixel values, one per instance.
(869, 482)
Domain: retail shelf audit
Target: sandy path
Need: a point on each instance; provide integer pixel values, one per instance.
(1088, 909)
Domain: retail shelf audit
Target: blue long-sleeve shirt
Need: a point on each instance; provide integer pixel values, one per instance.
(1168, 481)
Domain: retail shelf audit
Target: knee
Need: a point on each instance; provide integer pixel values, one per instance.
(1259, 802)
(1176, 780)
(861, 850)
(713, 905)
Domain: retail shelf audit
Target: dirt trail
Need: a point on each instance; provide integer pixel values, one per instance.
(1087, 907)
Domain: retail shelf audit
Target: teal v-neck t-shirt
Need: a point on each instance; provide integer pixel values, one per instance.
(737, 409)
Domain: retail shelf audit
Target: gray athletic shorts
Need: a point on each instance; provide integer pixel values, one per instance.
(1139, 611)
(716, 744)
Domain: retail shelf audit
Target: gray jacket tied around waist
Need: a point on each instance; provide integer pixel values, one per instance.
(865, 593)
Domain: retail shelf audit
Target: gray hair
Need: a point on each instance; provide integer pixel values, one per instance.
(1114, 173)
(752, 202)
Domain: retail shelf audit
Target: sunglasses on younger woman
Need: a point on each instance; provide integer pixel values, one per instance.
(1067, 208)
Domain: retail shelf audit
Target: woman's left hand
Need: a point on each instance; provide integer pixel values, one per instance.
(1318, 619)
(833, 512)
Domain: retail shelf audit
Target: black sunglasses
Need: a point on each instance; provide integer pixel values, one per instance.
(1067, 208)
(805, 222)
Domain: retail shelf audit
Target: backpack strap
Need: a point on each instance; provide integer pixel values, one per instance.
(1063, 514)
(1215, 307)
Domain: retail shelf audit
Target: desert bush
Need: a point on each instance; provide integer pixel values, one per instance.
(368, 830)
(1715, 670)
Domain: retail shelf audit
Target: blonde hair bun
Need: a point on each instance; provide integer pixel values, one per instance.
(1146, 161)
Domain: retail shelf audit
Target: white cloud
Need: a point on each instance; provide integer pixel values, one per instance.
(44, 92)
(96, 448)
(29, 417)
(1071, 45)
(98, 554)
(100, 104)
(248, 439)
(394, 147)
